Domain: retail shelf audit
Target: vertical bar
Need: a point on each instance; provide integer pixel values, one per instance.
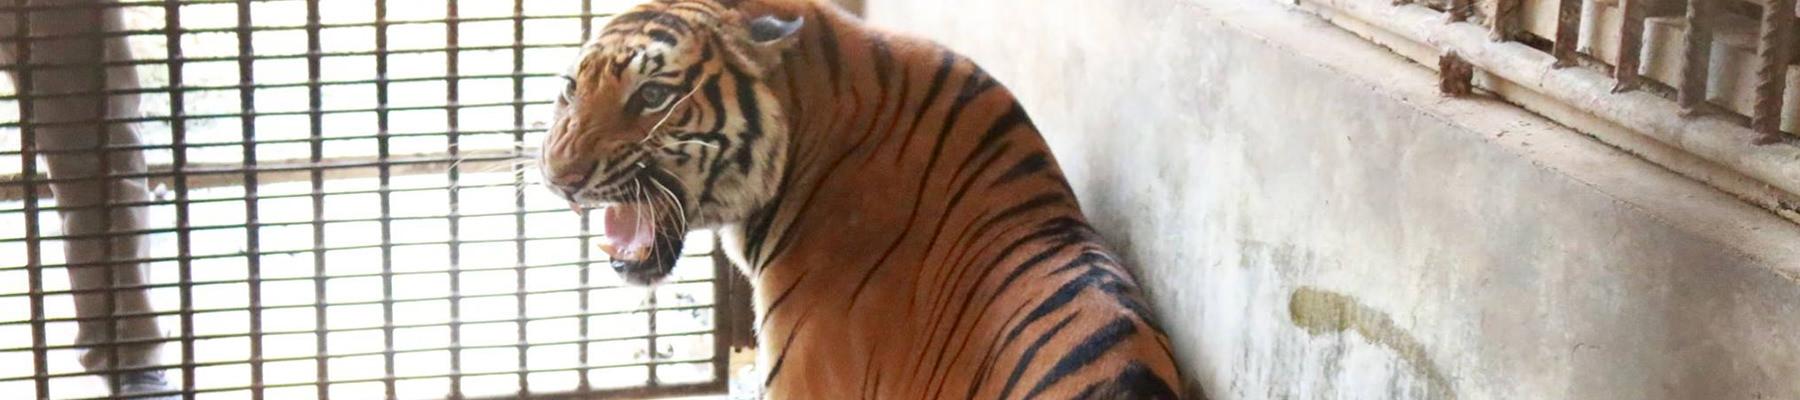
(1568, 32)
(655, 381)
(1697, 54)
(315, 96)
(1458, 10)
(722, 318)
(454, 189)
(184, 238)
(1455, 75)
(1631, 45)
(385, 175)
(252, 228)
(28, 168)
(108, 192)
(1775, 50)
(1505, 19)
(587, 244)
(518, 171)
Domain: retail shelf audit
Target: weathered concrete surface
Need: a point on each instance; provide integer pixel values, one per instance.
(1313, 221)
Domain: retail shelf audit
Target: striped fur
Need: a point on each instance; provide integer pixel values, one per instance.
(908, 232)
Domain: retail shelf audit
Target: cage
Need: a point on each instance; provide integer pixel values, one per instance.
(316, 199)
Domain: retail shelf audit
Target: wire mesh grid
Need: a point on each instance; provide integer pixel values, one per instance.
(329, 202)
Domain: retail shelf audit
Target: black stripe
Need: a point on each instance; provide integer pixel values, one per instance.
(752, 114)
(830, 45)
(1031, 353)
(623, 170)
(716, 99)
(885, 62)
(786, 348)
(1075, 235)
(782, 298)
(946, 63)
(1136, 381)
(622, 20)
(988, 359)
(1090, 349)
(974, 85)
(673, 22)
(1015, 115)
(871, 378)
(781, 245)
(1062, 297)
(1031, 164)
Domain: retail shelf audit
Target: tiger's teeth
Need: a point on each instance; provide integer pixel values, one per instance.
(607, 246)
(575, 207)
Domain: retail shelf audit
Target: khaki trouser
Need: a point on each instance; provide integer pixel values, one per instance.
(72, 71)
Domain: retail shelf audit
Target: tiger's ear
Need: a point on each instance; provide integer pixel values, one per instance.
(769, 30)
(763, 40)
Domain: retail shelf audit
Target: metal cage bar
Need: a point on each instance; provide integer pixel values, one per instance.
(280, 159)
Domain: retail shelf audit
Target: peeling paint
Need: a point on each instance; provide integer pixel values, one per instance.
(1322, 312)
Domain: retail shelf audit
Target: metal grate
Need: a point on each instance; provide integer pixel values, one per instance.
(331, 203)
(1732, 58)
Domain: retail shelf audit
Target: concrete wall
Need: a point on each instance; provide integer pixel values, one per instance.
(1314, 221)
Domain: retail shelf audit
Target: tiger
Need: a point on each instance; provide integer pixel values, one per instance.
(905, 228)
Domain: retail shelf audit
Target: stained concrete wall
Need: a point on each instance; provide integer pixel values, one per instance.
(1313, 221)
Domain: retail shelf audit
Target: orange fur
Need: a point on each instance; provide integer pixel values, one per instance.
(910, 235)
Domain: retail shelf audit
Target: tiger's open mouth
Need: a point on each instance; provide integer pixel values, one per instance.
(642, 237)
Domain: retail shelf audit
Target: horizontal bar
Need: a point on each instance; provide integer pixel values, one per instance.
(154, 231)
(340, 163)
(369, 380)
(290, 85)
(117, 4)
(634, 392)
(239, 58)
(312, 278)
(253, 114)
(453, 346)
(202, 145)
(159, 177)
(259, 197)
(276, 28)
(320, 249)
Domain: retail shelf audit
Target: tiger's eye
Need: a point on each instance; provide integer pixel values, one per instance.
(655, 97)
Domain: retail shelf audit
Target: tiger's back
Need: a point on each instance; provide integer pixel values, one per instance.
(940, 252)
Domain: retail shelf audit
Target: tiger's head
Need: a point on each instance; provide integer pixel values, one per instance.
(667, 125)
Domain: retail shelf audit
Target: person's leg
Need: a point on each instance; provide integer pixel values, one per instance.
(68, 70)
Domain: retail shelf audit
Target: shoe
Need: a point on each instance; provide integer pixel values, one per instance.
(146, 385)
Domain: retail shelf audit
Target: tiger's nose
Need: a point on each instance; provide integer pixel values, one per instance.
(571, 180)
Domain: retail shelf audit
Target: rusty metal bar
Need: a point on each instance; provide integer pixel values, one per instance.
(28, 163)
(1458, 10)
(1696, 57)
(184, 235)
(252, 211)
(518, 25)
(1775, 50)
(316, 123)
(453, 145)
(582, 382)
(1455, 76)
(1568, 33)
(385, 179)
(1631, 45)
(1503, 19)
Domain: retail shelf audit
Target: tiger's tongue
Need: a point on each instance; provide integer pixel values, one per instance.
(628, 235)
